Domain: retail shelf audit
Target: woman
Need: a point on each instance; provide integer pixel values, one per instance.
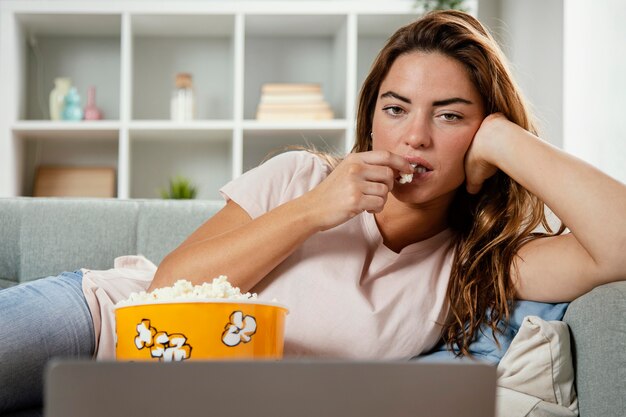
(372, 267)
(439, 95)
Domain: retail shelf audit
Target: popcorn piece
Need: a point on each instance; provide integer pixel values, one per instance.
(407, 178)
(183, 289)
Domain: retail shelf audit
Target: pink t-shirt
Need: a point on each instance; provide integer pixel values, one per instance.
(349, 296)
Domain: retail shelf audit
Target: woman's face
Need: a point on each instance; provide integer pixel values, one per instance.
(428, 111)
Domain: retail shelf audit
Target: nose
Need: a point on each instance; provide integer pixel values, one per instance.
(418, 134)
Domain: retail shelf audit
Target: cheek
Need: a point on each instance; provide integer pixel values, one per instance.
(458, 146)
(386, 132)
(455, 152)
(383, 139)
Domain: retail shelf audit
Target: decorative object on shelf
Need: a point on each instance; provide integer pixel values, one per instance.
(72, 110)
(51, 181)
(283, 101)
(92, 112)
(430, 5)
(180, 188)
(57, 97)
(183, 103)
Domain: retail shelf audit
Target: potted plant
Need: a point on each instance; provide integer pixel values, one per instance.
(180, 187)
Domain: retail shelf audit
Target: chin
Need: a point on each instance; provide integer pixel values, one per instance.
(410, 193)
(419, 195)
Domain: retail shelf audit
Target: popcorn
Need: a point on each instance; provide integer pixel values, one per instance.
(185, 290)
(407, 178)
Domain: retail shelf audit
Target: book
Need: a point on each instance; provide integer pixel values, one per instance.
(287, 101)
(290, 88)
(53, 181)
(276, 98)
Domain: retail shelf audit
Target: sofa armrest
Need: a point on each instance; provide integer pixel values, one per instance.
(597, 321)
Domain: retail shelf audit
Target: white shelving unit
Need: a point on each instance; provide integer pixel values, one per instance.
(131, 50)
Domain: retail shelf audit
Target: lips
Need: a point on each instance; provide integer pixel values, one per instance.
(421, 165)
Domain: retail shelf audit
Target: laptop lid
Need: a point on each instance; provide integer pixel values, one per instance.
(298, 388)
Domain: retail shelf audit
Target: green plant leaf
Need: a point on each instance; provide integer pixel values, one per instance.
(180, 187)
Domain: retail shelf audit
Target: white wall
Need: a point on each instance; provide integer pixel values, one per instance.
(595, 83)
(531, 35)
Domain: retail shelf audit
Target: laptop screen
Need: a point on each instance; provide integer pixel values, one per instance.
(302, 388)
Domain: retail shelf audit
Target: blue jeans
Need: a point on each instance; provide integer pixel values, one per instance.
(39, 320)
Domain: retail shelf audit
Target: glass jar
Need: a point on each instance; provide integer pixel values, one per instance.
(183, 105)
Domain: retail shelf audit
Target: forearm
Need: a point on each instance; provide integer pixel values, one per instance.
(245, 254)
(591, 204)
(246, 250)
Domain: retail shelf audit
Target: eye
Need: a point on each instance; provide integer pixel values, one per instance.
(450, 117)
(394, 111)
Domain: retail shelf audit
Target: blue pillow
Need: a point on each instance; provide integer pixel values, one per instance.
(484, 348)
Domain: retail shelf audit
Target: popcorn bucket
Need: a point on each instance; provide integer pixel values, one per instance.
(200, 330)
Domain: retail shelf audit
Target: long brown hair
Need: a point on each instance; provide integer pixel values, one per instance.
(491, 226)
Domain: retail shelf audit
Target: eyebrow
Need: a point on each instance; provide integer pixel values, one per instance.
(396, 96)
(437, 103)
(453, 100)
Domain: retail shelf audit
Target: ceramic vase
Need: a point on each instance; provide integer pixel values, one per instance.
(92, 112)
(72, 110)
(57, 97)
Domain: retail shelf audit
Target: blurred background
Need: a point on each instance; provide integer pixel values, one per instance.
(155, 99)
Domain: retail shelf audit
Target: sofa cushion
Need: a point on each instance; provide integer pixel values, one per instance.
(9, 244)
(536, 375)
(163, 225)
(598, 324)
(539, 362)
(47, 236)
(60, 235)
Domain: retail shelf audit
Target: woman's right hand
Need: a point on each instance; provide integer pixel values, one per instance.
(361, 182)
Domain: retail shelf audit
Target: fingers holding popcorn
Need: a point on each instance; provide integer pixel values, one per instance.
(361, 182)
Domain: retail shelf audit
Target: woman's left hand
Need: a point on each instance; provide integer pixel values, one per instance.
(479, 160)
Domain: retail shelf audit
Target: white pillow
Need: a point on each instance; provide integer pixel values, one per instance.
(539, 363)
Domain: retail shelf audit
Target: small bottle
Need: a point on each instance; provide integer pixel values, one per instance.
(92, 112)
(57, 97)
(183, 103)
(72, 110)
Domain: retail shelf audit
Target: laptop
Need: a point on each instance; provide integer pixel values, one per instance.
(287, 388)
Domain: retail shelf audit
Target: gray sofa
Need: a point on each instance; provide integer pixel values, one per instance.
(42, 237)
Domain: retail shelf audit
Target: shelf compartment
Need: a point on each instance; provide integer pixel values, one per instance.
(204, 156)
(259, 144)
(198, 44)
(75, 149)
(83, 47)
(296, 49)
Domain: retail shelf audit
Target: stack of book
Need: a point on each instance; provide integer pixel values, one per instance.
(293, 102)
